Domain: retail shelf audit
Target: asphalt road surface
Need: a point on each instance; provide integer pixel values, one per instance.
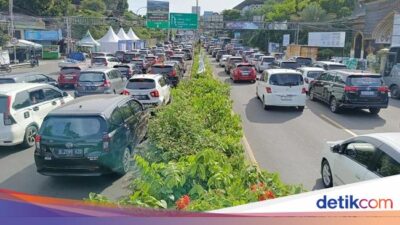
(288, 142)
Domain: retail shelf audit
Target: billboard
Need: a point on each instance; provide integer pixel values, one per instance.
(182, 21)
(286, 40)
(157, 14)
(327, 39)
(43, 35)
(242, 25)
(396, 30)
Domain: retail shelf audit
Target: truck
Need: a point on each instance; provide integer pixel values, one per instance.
(301, 51)
(5, 61)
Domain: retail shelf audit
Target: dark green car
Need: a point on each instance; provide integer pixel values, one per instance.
(91, 136)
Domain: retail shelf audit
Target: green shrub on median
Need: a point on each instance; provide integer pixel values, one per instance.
(195, 160)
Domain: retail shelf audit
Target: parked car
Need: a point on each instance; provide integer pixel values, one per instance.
(281, 87)
(392, 80)
(100, 81)
(68, 76)
(303, 61)
(91, 136)
(126, 70)
(28, 78)
(109, 62)
(264, 63)
(219, 55)
(284, 64)
(231, 61)
(169, 71)
(22, 109)
(223, 59)
(360, 158)
(326, 65)
(149, 89)
(309, 75)
(243, 72)
(354, 89)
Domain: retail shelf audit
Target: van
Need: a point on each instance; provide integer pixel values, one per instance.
(281, 87)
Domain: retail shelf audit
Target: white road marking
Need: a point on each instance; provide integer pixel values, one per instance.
(249, 152)
(336, 124)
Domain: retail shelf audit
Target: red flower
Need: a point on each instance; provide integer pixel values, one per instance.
(182, 202)
(256, 187)
(266, 195)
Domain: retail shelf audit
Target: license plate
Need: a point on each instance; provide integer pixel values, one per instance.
(140, 97)
(70, 152)
(90, 88)
(245, 74)
(368, 93)
(286, 98)
(69, 77)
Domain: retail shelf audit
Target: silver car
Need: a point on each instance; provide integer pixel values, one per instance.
(100, 81)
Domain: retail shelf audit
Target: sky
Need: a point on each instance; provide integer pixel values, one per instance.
(185, 6)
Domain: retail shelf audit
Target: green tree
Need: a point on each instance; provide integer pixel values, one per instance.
(42, 7)
(231, 14)
(314, 13)
(94, 5)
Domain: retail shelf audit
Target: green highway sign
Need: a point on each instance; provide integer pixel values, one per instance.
(183, 21)
(158, 24)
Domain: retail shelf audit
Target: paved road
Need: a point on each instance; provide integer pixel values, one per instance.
(18, 170)
(289, 142)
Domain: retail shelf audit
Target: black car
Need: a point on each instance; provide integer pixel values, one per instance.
(350, 89)
(28, 78)
(90, 136)
(220, 53)
(171, 72)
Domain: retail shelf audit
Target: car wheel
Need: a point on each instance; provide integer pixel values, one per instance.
(374, 111)
(125, 162)
(395, 92)
(311, 94)
(300, 108)
(266, 107)
(169, 100)
(29, 138)
(326, 174)
(333, 105)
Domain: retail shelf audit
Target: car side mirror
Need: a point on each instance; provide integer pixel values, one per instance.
(336, 148)
(257, 78)
(65, 94)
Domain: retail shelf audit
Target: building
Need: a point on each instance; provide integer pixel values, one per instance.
(196, 10)
(372, 25)
(249, 5)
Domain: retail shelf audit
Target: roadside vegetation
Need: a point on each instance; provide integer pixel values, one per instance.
(195, 160)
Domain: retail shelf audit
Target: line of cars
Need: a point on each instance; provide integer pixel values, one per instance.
(96, 133)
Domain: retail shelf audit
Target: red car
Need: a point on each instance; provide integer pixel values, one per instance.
(243, 72)
(68, 76)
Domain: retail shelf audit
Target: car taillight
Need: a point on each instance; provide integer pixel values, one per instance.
(106, 64)
(269, 90)
(106, 142)
(383, 89)
(125, 92)
(350, 89)
(303, 90)
(7, 118)
(155, 93)
(129, 72)
(172, 73)
(306, 80)
(106, 83)
(38, 138)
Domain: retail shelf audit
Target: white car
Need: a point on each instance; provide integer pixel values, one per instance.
(264, 63)
(106, 61)
(223, 59)
(149, 89)
(309, 74)
(281, 87)
(361, 158)
(23, 107)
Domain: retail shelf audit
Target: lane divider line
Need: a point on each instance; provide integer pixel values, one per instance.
(337, 125)
(249, 152)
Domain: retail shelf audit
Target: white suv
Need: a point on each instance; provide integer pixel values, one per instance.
(23, 107)
(106, 61)
(149, 89)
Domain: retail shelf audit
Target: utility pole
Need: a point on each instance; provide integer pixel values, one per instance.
(11, 31)
(297, 33)
(69, 34)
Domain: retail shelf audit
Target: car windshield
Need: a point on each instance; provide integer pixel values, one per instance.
(3, 103)
(70, 70)
(122, 67)
(289, 65)
(286, 80)
(161, 69)
(268, 60)
(99, 60)
(337, 67)
(314, 74)
(365, 81)
(141, 84)
(235, 60)
(91, 77)
(98, 54)
(73, 127)
(6, 80)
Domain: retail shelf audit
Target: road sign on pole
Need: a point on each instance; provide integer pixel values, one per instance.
(157, 14)
(183, 21)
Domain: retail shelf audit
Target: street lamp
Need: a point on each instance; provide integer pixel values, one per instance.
(137, 11)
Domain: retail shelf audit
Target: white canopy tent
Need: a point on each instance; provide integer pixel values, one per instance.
(122, 35)
(109, 42)
(25, 43)
(88, 41)
(132, 35)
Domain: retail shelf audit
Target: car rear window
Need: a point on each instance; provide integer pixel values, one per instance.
(314, 74)
(70, 70)
(6, 80)
(161, 69)
(245, 67)
(98, 54)
(236, 60)
(365, 81)
(304, 61)
(268, 60)
(3, 103)
(289, 65)
(91, 77)
(141, 84)
(73, 127)
(337, 67)
(176, 58)
(99, 60)
(286, 80)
